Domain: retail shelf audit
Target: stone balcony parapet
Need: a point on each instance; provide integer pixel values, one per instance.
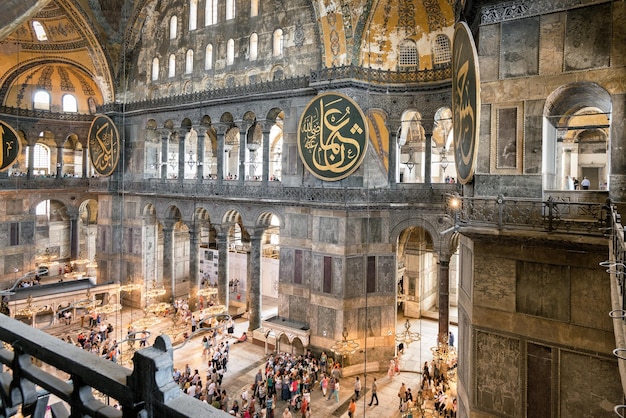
(148, 391)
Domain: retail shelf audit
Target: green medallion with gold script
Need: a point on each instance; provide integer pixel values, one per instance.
(104, 145)
(332, 136)
(465, 102)
(10, 146)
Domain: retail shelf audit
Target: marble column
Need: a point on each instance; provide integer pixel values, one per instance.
(254, 282)
(221, 153)
(59, 161)
(168, 262)
(444, 297)
(200, 153)
(265, 147)
(74, 237)
(165, 139)
(85, 162)
(194, 250)
(393, 155)
(222, 267)
(428, 158)
(31, 161)
(182, 136)
(243, 135)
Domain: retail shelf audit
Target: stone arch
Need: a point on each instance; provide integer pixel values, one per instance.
(569, 111)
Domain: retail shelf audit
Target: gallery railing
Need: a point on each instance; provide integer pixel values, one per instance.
(616, 268)
(552, 215)
(41, 365)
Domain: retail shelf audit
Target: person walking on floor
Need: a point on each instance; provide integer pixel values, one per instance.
(374, 395)
(357, 387)
(352, 408)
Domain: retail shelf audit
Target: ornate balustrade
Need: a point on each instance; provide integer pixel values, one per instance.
(616, 268)
(552, 215)
(147, 391)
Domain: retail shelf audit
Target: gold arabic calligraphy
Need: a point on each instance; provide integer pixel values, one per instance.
(326, 137)
(104, 144)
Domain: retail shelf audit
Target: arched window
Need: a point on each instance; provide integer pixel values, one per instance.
(230, 52)
(173, 27)
(254, 46)
(171, 69)
(40, 32)
(210, 12)
(407, 57)
(442, 51)
(41, 160)
(230, 9)
(193, 14)
(277, 46)
(69, 103)
(41, 100)
(189, 61)
(254, 8)
(208, 58)
(155, 69)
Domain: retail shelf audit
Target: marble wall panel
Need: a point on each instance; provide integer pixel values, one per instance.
(355, 277)
(4, 235)
(498, 373)
(298, 309)
(27, 232)
(484, 140)
(584, 389)
(386, 281)
(551, 44)
(543, 290)
(328, 230)
(519, 50)
(588, 37)
(299, 226)
(369, 322)
(372, 230)
(494, 282)
(11, 262)
(338, 275)
(14, 206)
(315, 274)
(467, 267)
(286, 265)
(464, 347)
(488, 51)
(591, 298)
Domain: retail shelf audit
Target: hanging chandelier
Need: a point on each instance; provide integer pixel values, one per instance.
(443, 351)
(407, 336)
(29, 310)
(344, 346)
(155, 291)
(207, 291)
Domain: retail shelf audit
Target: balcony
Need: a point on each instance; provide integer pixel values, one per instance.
(149, 390)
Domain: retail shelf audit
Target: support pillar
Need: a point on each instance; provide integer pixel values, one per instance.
(31, 161)
(168, 261)
(393, 156)
(200, 153)
(243, 144)
(182, 137)
(222, 267)
(59, 161)
(444, 297)
(254, 282)
(194, 250)
(165, 139)
(74, 237)
(265, 147)
(221, 153)
(428, 158)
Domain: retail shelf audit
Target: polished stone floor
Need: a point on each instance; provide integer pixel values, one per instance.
(247, 358)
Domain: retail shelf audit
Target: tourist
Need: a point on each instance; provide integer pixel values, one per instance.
(374, 393)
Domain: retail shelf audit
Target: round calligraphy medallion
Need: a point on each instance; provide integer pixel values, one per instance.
(465, 102)
(332, 136)
(104, 145)
(11, 146)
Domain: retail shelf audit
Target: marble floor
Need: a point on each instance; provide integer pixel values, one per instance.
(247, 358)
